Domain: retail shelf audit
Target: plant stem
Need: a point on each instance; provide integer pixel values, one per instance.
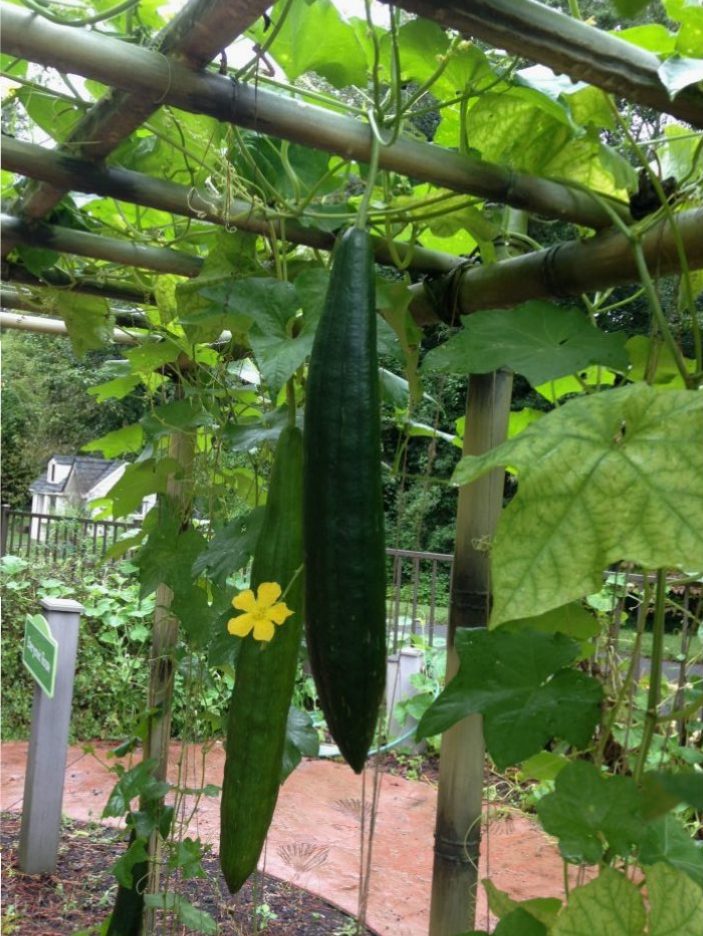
(650, 718)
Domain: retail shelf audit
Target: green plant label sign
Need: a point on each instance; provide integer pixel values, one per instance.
(40, 652)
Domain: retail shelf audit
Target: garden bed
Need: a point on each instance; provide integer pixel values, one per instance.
(79, 894)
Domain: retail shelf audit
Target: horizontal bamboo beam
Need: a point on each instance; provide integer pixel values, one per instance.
(48, 326)
(134, 68)
(58, 279)
(63, 171)
(193, 37)
(30, 299)
(85, 244)
(568, 46)
(573, 267)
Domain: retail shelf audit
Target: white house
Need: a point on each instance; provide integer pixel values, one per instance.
(71, 482)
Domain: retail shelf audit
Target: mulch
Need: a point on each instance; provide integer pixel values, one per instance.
(79, 895)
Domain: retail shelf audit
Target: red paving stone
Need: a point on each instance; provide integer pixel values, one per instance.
(314, 841)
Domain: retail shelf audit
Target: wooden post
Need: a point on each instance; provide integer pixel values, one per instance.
(48, 746)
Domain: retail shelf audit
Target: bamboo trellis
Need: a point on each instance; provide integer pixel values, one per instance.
(175, 72)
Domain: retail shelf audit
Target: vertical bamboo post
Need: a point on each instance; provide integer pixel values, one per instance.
(129, 916)
(163, 645)
(460, 789)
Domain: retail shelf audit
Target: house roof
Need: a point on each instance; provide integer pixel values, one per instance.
(85, 473)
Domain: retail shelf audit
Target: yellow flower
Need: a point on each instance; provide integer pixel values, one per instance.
(261, 612)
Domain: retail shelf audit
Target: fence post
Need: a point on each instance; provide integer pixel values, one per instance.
(48, 745)
(4, 528)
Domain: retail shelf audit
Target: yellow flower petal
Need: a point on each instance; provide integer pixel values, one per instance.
(268, 594)
(245, 601)
(241, 625)
(263, 629)
(279, 613)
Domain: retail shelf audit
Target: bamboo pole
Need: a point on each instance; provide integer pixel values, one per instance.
(139, 70)
(99, 247)
(62, 171)
(32, 301)
(461, 764)
(48, 326)
(569, 268)
(568, 46)
(193, 37)
(91, 286)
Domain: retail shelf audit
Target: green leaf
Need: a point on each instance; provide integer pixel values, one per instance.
(191, 917)
(88, 319)
(517, 681)
(520, 923)
(139, 781)
(169, 554)
(631, 492)
(301, 741)
(679, 72)
(663, 790)
(314, 37)
(188, 858)
(572, 620)
(667, 840)
(679, 156)
(590, 813)
(152, 354)
(537, 339)
(653, 37)
(630, 7)
(37, 259)
(667, 375)
(178, 416)
(142, 478)
(676, 904)
(518, 130)
(231, 547)
(545, 766)
(117, 442)
(611, 904)
(123, 867)
(246, 436)
(52, 114)
(544, 909)
(689, 40)
(116, 389)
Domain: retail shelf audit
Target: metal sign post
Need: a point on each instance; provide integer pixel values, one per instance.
(50, 655)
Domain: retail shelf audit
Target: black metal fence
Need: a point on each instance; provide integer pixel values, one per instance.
(55, 537)
(417, 597)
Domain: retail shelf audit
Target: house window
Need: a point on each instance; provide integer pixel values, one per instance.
(52, 471)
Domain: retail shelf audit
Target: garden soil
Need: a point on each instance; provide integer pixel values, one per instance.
(313, 846)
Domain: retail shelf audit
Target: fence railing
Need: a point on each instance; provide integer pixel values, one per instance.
(53, 536)
(419, 583)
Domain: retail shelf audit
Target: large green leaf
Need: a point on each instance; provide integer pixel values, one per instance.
(169, 554)
(590, 813)
(676, 904)
(544, 909)
(609, 905)
(519, 131)
(314, 37)
(537, 339)
(614, 476)
(88, 319)
(521, 686)
(666, 840)
(678, 72)
(301, 740)
(117, 442)
(141, 478)
(572, 620)
(231, 547)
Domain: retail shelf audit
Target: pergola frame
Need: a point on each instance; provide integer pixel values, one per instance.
(176, 72)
